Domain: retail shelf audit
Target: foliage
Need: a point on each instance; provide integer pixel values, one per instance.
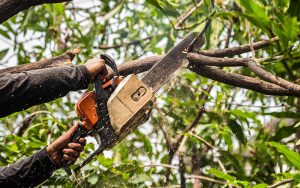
(249, 131)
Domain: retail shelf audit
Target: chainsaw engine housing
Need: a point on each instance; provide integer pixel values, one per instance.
(128, 102)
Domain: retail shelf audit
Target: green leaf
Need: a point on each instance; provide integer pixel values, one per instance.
(282, 114)
(227, 138)
(4, 34)
(237, 130)
(93, 179)
(166, 7)
(287, 29)
(148, 146)
(113, 11)
(59, 8)
(3, 53)
(291, 155)
(294, 8)
(221, 174)
(294, 176)
(140, 178)
(283, 132)
(261, 185)
(255, 13)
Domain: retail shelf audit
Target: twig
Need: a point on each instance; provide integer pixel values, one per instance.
(186, 15)
(161, 165)
(181, 163)
(281, 183)
(188, 176)
(205, 178)
(203, 140)
(21, 127)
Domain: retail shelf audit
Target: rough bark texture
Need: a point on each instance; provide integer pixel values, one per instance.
(239, 49)
(61, 60)
(9, 8)
(217, 61)
(196, 159)
(241, 81)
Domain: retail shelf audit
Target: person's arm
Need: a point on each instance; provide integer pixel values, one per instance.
(23, 90)
(39, 167)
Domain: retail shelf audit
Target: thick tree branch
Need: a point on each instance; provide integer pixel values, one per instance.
(239, 49)
(215, 61)
(61, 60)
(9, 8)
(241, 81)
(265, 75)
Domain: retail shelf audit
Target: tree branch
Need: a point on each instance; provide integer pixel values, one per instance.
(265, 75)
(22, 127)
(61, 60)
(186, 15)
(215, 61)
(239, 49)
(9, 8)
(205, 178)
(241, 81)
(144, 64)
(181, 169)
(192, 176)
(281, 183)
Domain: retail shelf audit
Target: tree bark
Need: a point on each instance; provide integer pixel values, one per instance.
(9, 8)
(64, 59)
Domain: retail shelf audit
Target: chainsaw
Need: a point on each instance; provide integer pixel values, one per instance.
(119, 105)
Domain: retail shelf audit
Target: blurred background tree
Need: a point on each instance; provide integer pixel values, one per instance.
(202, 133)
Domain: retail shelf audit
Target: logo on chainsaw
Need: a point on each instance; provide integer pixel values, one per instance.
(139, 93)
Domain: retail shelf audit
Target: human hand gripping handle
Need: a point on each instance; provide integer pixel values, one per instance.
(63, 150)
(95, 67)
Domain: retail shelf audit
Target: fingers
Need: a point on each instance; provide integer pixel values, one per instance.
(96, 66)
(69, 159)
(77, 146)
(72, 152)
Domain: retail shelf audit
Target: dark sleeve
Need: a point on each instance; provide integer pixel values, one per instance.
(29, 172)
(23, 90)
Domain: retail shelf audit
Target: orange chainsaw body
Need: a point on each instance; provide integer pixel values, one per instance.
(86, 107)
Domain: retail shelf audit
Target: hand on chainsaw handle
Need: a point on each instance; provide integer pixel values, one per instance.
(96, 66)
(63, 151)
